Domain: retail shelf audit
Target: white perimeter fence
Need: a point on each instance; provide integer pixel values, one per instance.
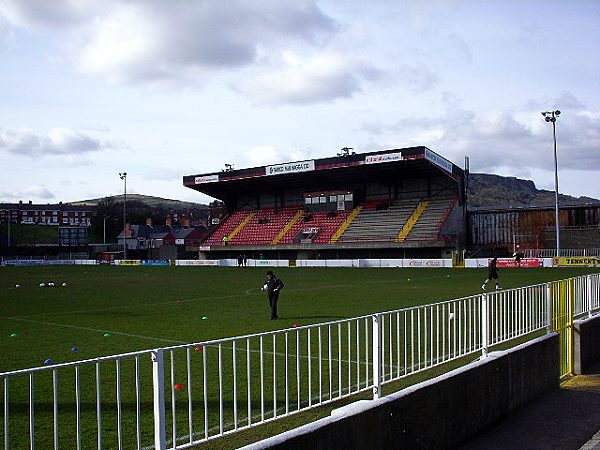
(177, 397)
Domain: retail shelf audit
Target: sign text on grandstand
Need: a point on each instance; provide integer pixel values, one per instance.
(302, 166)
(388, 157)
(438, 160)
(206, 179)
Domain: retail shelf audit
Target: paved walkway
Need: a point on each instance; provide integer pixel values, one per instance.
(567, 419)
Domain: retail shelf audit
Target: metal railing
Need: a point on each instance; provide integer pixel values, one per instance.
(180, 396)
(565, 252)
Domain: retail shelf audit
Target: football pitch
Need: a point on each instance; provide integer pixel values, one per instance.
(107, 310)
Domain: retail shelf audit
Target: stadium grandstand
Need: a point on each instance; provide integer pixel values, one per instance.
(406, 202)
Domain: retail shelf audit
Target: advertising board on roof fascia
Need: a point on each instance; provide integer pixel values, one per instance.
(295, 167)
(387, 157)
(438, 160)
(206, 179)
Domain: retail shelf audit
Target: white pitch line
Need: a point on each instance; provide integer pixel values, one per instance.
(247, 292)
(172, 341)
(138, 336)
(139, 306)
(215, 346)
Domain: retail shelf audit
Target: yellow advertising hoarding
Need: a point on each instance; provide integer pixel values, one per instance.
(581, 261)
(131, 262)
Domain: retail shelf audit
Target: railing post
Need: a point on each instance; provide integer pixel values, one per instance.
(485, 314)
(376, 356)
(158, 387)
(589, 296)
(549, 307)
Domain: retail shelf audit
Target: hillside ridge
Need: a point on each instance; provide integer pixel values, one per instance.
(496, 191)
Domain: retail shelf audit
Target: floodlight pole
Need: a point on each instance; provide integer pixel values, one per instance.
(104, 229)
(551, 116)
(123, 177)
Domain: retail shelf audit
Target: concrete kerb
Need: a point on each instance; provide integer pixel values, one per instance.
(586, 351)
(437, 413)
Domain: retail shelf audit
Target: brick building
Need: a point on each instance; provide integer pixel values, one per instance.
(57, 214)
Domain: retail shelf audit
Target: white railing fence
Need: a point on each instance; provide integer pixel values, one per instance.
(177, 397)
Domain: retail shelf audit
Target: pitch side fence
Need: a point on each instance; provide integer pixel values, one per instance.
(180, 396)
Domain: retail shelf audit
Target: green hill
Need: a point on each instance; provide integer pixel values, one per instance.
(147, 200)
(495, 191)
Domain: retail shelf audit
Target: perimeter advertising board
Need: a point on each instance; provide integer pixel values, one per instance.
(129, 262)
(156, 262)
(525, 262)
(39, 262)
(579, 261)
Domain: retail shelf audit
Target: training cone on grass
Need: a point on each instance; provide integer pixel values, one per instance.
(178, 387)
(295, 325)
(204, 318)
(106, 334)
(74, 349)
(13, 334)
(49, 361)
(198, 349)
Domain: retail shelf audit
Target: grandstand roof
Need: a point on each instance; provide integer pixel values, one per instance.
(320, 173)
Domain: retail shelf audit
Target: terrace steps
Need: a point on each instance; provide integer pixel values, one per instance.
(412, 220)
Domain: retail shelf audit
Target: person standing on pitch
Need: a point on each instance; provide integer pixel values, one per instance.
(273, 285)
(492, 273)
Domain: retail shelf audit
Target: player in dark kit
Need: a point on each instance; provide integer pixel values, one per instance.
(492, 274)
(273, 285)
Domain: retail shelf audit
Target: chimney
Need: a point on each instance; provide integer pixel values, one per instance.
(30, 202)
(149, 221)
(168, 221)
(127, 230)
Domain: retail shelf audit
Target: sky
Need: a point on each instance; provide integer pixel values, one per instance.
(162, 89)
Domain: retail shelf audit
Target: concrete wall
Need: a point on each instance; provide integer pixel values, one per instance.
(439, 413)
(587, 344)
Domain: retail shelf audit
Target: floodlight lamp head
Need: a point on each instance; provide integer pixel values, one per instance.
(544, 113)
(548, 119)
(557, 112)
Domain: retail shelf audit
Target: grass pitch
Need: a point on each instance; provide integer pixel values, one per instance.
(150, 307)
(108, 310)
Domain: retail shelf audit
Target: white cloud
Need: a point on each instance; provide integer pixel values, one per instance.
(154, 40)
(269, 154)
(59, 141)
(314, 79)
(30, 13)
(31, 192)
(515, 140)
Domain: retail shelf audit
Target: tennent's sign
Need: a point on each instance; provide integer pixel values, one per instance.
(582, 261)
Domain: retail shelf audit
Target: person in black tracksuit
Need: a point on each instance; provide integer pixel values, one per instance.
(273, 285)
(492, 274)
